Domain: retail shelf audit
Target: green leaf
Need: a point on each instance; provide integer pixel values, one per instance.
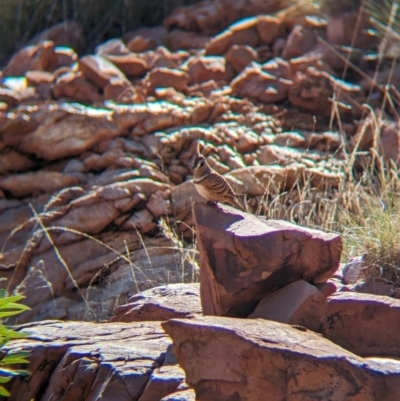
(4, 392)
(16, 357)
(5, 379)
(11, 299)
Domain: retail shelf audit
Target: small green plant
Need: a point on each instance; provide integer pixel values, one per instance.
(9, 306)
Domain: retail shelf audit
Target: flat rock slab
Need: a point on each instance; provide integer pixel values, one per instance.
(245, 257)
(365, 324)
(81, 361)
(161, 303)
(253, 360)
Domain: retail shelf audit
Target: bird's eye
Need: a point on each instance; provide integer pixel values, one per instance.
(202, 163)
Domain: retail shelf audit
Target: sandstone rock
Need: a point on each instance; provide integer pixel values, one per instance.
(300, 41)
(112, 47)
(120, 90)
(363, 323)
(255, 83)
(268, 253)
(269, 29)
(298, 303)
(285, 363)
(240, 56)
(290, 139)
(74, 86)
(161, 303)
(279, 68)
(165, 77)
(11, 161)
(142, 220)
(76, 358)
(159, 205)
(36, 182)
(202, 69)
(139, 44)
(130, 64)
(352, 271)
(66, 56)
(35, 78)
(99, 70)
(66, 130)
(40, 57)
(243, 32)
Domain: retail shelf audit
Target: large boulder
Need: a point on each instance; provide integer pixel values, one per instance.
(365, 324)
(244, 257)
(81, 361)
(252, 360)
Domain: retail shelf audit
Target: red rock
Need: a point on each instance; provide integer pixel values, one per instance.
(161, 303)
(112, 47)
(365, 324)
(11, 161)
(121, 91)
(154, 35)
(142, 220)
(140, 44)
(159, 205)
(240, 56)
(243, 32)
(98, 70)
(234, 244)
(9, 97)
(65, 56)
(298, 303)
(37, 182)
(62, 362)
(279, 68)
(35, 78)
(130, 64)
(255, 83)
(290, 139)
(312, 91)
(41, 57)
(66, 33)
(202, 69)
(74, 86)
(165, 77)
(300, 41)
(227, 359)
(269, 28)
(329, 287)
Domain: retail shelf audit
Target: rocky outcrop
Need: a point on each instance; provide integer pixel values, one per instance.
(245, 257)
(82, 361)
(161, 303)
(226, 358)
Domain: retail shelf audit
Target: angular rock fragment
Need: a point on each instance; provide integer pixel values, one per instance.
(365, 324)
(244, 257)
(232, 359)
(298, 303)
(85, 361)
(161, 303)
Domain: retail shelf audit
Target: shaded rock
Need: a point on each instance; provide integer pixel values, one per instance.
(240, 56)
(122, 91)
(161, 303)
(130, 64)
(39, 57)
(66, 131)
(112, 47)
(365, 324)
(36, 182)
(244, 257)
(166, 78)
(202, 69)
(74, 86)
(226, 358)
(298, 303)
(300, 41)
(11, 161)
(99, 70)
(76, 358)
(66, 56)
(178, 40)
(142, 220)
(255, 83)
(269, 29)
(35, 78)
(159, 204)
